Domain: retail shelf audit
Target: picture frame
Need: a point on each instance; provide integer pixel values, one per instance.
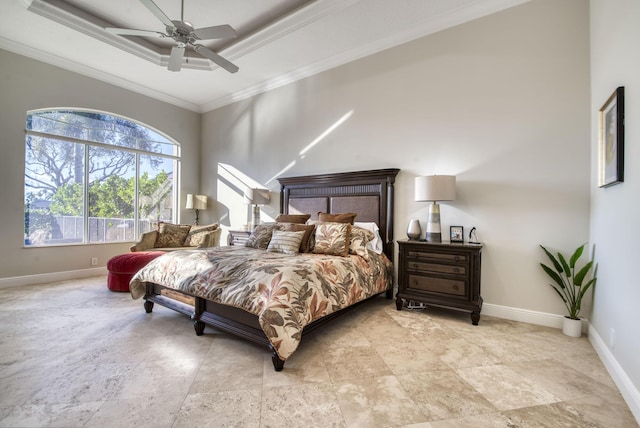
(456, 234)
(611, 140)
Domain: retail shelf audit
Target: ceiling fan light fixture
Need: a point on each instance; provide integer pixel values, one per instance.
(185, 36)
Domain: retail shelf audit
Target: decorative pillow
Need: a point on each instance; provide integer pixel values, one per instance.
(171, 235)
(332, 238)
(337, 218)
(198, 235)
(306, 244)
(376, 244)
(261, 236)
(293, 218)
(286, 242)
(358, 242)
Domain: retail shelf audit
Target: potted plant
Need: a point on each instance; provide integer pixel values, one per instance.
(569, 283)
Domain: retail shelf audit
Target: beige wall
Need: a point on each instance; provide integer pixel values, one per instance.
(26, 84)
(501, 102)
(615, 211)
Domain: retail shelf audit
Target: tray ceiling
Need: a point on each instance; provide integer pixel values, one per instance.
(279, 41)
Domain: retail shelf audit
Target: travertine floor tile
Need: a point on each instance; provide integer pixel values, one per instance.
(376, 402)
(442, 394)
(143, 412)
(220, 409)
(308, 405)
(559, 379)
(552, 415)
(230, 364)
(51, 415)
(95, 358)
(607, 410)
(354, 363)
(505, 388)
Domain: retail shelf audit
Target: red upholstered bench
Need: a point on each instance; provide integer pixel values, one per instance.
(121, 268)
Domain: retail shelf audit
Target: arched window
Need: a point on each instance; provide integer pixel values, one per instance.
(93, 177)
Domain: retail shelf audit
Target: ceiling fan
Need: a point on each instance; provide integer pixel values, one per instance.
(185, 36)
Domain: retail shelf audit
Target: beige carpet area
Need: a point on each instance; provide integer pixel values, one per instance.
(74, 354)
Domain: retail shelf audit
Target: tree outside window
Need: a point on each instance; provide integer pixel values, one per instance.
(91, 177)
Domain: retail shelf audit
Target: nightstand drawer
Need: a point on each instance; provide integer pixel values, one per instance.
(437, 285)
(438, 268)
(455, 258)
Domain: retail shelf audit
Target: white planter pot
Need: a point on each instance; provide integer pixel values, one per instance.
(572, 328)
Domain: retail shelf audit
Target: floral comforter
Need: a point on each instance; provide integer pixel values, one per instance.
(286, 292)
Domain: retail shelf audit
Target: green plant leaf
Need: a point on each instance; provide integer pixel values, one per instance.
(557, 278)
(576, 255)
(559, 293)
(586, 287)
(579, 277)
(553, 260)
(565, 266)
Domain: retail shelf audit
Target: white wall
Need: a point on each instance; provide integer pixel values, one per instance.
(26, 84)
(501, 102)
(615, 211)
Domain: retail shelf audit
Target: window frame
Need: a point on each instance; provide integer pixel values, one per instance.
(87, 144)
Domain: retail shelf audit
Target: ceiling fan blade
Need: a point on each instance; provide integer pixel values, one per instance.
(215, 32)
(149, 4)
(132, 32)
(175, 60)
(208, 53)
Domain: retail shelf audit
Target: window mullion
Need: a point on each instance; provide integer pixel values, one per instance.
(136, 214)
(86, 194)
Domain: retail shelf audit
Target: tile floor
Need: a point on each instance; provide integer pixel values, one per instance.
(94, 358)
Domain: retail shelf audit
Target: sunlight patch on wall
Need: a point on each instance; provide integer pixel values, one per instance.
(325, 133)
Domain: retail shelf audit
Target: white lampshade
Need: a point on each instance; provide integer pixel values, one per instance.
(256, 196)
(200, 202)
(435, 188)
(196, 202)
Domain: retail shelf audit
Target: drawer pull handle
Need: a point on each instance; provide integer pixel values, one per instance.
(455, 287)
(414, 265)
(415, 282)
(456, 270)
(457, 258)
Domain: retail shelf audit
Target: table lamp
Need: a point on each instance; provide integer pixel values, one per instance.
(256, 197)
(196, 202)
(434, 188)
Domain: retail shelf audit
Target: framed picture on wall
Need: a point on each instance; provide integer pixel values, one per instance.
(456, 234)
(611, 140)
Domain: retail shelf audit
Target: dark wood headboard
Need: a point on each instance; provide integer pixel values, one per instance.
(368, 193)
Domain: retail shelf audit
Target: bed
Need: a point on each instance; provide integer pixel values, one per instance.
(282, 297)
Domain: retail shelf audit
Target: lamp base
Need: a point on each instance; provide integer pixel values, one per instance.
(434, 233)
(255, 217)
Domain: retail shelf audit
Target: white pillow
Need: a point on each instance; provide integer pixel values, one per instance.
(374, 245)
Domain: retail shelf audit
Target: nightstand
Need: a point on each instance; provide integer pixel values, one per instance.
(440, 274)
(238, 236)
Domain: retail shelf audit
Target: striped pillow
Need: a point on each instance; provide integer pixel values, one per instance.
(285, 242)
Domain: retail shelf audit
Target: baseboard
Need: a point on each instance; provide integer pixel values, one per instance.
(18, 281)
(625, 386)
(531, 317)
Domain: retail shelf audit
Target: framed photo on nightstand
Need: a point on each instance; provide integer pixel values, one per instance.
(456, 234)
